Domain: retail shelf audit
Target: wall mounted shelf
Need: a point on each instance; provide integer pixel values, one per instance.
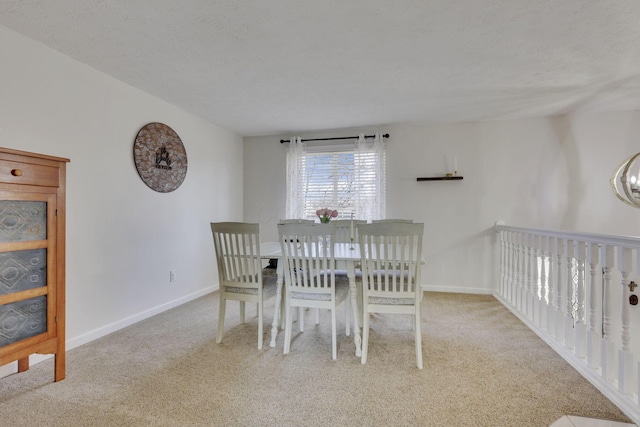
(440, 178)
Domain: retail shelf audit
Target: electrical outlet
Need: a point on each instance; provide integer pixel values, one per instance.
(172, 276)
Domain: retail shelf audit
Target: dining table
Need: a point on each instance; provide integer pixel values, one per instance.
(347, 256)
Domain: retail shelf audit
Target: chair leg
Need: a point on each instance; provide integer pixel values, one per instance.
(365, 337)
(359, 300)
(347, 322)
(418, 328)
(242, 307)
(301, 318)
(287, 328)
(221, 309)
(334, 345)
(317, 316)
(283, 307)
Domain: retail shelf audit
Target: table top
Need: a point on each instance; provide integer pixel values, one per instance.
(342, 251)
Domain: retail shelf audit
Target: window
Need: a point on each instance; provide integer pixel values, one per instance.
(349, 179)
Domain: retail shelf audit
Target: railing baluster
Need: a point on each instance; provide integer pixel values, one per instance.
(525, 274)
(531, 278)
(524, 262)
(518, 271)
(501, 257)
(593, 337)
(568, 297)
(580, 325)
(608, 346)
(512, 267)
(522, 276)
(543, 282)
(625, 357)
(509, 245)
(558, 315)
(534, 289)
(551, 242)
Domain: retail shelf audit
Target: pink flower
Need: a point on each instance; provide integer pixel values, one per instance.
(326, 214)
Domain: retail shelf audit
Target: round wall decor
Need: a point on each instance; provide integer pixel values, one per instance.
(160, 157)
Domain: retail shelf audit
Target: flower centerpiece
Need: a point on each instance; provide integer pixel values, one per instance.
(325, 215)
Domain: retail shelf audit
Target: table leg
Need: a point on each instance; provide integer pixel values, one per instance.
(351, 274)
(276, 312)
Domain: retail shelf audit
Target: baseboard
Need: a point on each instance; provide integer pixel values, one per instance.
(458, 290)
(72, 343)
(115, 326)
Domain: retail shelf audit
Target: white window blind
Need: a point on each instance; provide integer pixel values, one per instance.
(349, 179)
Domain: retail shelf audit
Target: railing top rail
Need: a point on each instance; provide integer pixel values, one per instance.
(602, 239)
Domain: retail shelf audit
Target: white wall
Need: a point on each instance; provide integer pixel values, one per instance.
(543, 173)
(122, 237)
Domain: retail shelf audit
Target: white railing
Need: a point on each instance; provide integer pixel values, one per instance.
(574, 290)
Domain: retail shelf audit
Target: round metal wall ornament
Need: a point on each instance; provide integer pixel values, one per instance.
(160, 157)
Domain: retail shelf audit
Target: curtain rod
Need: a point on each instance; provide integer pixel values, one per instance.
(282, 141)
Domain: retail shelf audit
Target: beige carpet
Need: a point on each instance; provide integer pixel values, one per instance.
(482, 367)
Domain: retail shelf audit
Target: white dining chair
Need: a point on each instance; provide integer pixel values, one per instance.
(344, 228)
(391, 255)
(273, 263)
(309, 274)
(240, 273)
(271, 268)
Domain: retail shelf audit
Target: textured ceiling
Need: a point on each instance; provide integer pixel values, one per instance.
(274, 67)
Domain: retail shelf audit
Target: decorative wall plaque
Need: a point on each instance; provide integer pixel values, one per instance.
(160, 157)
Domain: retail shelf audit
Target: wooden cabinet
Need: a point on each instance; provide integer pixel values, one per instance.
(32, 258)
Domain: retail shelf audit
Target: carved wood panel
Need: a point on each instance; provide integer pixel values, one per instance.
(160, 157)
